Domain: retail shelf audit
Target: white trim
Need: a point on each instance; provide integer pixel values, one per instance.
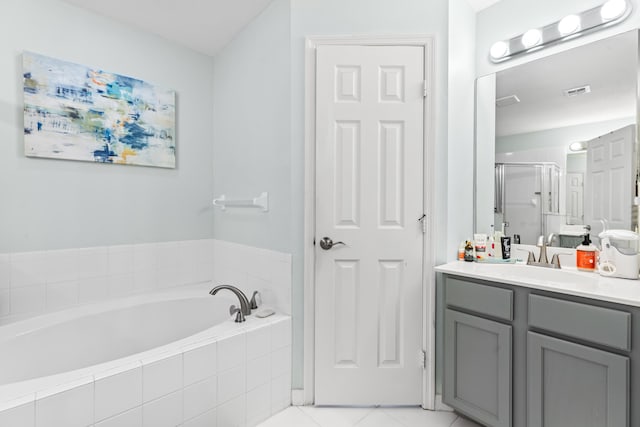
(428, 320)
(442, 406)
(297, 397)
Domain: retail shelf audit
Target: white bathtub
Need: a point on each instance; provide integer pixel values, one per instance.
(163, 359)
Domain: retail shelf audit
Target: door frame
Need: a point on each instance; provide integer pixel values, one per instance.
(428, 274)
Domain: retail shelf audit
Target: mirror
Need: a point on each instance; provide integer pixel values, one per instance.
(556, 144)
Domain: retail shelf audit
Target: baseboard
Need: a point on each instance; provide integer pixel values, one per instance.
(297, 397)
(441, 406)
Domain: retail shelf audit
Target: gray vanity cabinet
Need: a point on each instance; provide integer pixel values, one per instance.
(477, 378)
(574, 385)
(477, 381)
(520, 357)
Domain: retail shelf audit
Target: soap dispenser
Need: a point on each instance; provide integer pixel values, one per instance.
(586, 254)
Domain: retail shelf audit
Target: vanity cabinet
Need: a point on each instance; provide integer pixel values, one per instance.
(515, 356)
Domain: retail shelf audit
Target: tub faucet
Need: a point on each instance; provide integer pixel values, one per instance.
(245, 307)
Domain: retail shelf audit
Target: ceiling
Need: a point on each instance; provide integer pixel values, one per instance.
(203, 25)
(609, 66)
(478, 5)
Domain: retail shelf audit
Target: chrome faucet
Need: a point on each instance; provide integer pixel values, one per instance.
(245, 306)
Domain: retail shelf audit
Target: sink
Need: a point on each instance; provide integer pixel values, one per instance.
(539, 274)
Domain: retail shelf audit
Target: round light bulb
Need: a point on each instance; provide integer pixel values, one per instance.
(499, 49)
(613, 9)
(531, 38)
(577, 146)
(569, 24)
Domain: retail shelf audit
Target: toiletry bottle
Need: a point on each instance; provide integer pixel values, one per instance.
(461, 250)
(480, 240)
(491, 244)
(586, 255)
(468, 252)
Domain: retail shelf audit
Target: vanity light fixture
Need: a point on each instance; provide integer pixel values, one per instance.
(578, 146)
(574, 25)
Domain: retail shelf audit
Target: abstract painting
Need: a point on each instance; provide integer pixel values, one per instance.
(80, 113)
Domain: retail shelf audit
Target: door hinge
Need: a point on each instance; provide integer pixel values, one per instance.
(423, 221)
(423, 359)
(424, 88)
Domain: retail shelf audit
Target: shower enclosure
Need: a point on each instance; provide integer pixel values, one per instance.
(526, 194)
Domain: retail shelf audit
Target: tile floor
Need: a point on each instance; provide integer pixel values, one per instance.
(308, 416)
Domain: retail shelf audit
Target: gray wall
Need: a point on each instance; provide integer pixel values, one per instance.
(52, 204)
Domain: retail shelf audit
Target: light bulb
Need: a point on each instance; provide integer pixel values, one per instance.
(531, 38)
(577, 146)
(569, 24)
(499, 49)
(613, 9)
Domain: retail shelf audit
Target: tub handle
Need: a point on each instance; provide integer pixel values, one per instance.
(238, 312)
(256, 300)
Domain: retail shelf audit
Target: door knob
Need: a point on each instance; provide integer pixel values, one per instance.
(326, 243)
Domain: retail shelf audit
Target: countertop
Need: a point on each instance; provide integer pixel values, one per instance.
(567, 281)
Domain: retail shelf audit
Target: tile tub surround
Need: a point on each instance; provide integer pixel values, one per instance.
(239, 377)
(33, 283)
(250, 269)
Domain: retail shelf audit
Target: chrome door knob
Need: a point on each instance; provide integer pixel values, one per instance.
(326, 243)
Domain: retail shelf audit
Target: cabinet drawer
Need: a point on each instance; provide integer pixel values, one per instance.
(591, 323)
(482, 299)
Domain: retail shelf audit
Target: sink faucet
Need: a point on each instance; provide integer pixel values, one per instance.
(543, 261)
(245, 307)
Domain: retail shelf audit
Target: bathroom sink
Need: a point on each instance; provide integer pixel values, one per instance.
(538, 274)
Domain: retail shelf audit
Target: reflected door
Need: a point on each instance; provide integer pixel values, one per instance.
(369, 195)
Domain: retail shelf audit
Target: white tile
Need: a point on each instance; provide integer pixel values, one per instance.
(232, 351)
(5, 271)
(72, 408)
(258, 342)
(92, 262)
(5, 302)
(28, 269)
(145, 280)
(338, 417)
(208, 419)
(20, 416)
(281, 334)
(118, 393)
(62, 294)
(168, 255)
(280, 393)
(132, 418)
(281, 362)
(168, 278)
(61, 266)
(200, 397)
(464, 422)
(163, 412)
(258, 405)
(232, 413)
(162, 377)
(379, 419)
(93, 289)
(145, 256)
(290, 417)
(121, 284)
(200, 363)
(28, 299)
(188, 261)
(418, 416)
(120, 259)
(232, 383)
(258, 372)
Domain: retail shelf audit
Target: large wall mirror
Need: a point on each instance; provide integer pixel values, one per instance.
(556, 145)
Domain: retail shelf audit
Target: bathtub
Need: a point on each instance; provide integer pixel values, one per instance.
(172, 358)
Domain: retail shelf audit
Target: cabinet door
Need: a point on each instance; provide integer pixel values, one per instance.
(477, 368)
(572, 385)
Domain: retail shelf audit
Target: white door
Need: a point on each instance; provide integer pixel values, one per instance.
(610, 180)
(575, 198)
(369, 195)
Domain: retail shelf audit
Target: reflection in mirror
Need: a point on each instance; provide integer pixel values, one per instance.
(565, 138)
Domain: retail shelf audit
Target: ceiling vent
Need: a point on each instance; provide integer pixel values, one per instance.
(505, 101)
(580, 90)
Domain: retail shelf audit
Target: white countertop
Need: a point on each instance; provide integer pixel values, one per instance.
(566, 280)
